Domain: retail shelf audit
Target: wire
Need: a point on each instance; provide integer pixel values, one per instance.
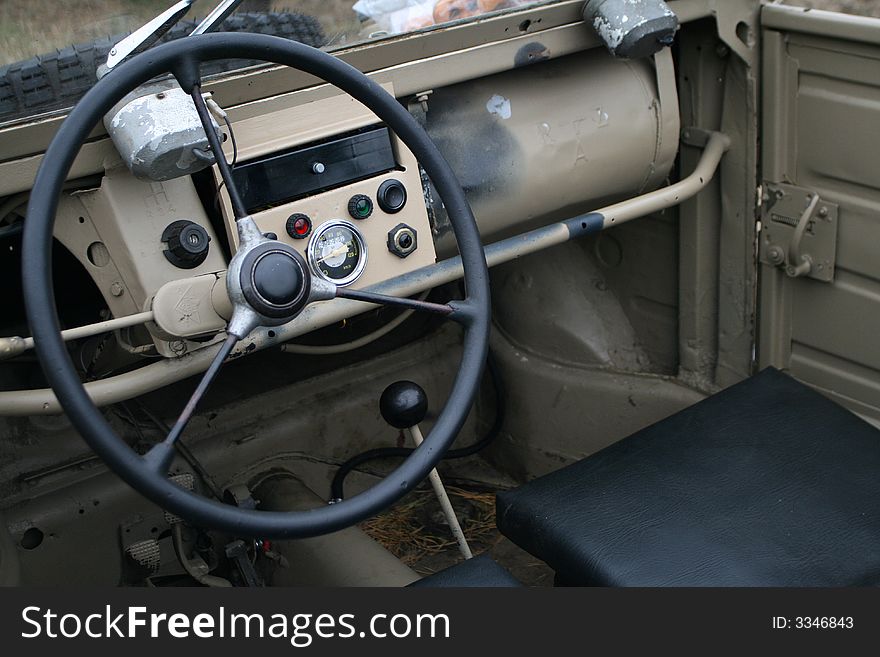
(337, 486)
(234, 143)
(234, 158)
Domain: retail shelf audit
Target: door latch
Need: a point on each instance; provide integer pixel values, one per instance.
(798, 232)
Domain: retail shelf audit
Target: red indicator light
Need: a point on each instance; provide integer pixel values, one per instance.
(298, 226)
(302, 226)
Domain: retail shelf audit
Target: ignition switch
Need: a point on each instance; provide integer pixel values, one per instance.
(402, 240)
(187, 244)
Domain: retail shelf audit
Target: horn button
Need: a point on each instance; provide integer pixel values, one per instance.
(275, 280)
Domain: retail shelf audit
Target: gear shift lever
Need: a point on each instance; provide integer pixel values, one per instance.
(403, 405)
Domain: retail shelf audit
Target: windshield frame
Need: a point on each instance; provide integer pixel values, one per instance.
(406, 58)
(341, 50)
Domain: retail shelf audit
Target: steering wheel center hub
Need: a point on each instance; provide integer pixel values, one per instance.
(275, 280)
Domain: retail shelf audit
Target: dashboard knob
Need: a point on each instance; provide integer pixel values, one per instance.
(403, 404)
(391, 196)
(187, 244)
(402, 240)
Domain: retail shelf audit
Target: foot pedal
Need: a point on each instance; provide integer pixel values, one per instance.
(187, 481)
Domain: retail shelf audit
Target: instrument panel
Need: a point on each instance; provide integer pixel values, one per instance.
(350, 202)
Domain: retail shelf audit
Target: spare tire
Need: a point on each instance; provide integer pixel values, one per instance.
(57, 80)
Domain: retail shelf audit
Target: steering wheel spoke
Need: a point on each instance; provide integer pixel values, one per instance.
(238, 209)
(399, 302)
(159, 457)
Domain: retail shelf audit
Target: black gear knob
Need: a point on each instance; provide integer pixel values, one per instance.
(403, 404)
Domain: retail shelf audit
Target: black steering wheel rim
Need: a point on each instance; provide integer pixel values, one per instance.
(182, 58)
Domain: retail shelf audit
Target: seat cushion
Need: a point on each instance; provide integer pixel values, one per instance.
(766, 483)
(480, 571)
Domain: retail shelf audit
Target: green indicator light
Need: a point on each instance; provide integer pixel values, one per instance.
(360, 206)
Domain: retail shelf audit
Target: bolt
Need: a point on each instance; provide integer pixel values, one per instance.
(177, 346)
(776, 255)
(722, 50)
(116, 289)
(422, 99)
(113, 51)
(318, 168)
(823, 211)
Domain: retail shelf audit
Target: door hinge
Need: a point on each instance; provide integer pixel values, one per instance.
(798, 231)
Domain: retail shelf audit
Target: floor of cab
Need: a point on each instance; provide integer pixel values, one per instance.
(416, 532)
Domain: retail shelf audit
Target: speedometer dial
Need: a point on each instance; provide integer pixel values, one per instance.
(337, 252)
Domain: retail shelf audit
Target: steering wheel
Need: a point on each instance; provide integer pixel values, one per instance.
(269, 284)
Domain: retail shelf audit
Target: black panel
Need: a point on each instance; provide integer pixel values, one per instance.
(290, 175)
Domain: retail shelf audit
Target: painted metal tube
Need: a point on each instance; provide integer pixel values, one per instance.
(14, 346)
(443, 498)
(154, 376)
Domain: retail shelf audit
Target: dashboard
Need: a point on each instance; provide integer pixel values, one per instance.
(322, 175)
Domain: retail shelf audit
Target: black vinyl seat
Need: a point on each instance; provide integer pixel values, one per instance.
(480, 571)
(766, 483)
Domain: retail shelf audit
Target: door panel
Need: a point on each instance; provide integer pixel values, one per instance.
(821, 133)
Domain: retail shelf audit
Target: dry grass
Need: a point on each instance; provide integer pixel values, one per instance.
(31, 27)
(415, 531)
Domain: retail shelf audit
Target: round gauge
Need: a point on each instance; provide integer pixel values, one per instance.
(337, 252)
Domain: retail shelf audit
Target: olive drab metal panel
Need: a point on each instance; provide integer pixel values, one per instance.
(819, 247)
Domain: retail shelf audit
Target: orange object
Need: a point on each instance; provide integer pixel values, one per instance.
(450, 10)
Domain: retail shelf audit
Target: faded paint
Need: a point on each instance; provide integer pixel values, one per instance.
(156, 134)
(499, 106)
(632, 28)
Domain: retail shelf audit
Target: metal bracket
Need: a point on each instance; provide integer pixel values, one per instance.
(697, 137)
(798, 232)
